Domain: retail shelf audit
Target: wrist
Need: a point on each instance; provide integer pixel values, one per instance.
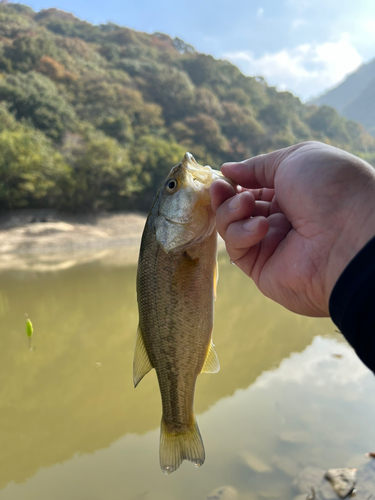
(352, 238)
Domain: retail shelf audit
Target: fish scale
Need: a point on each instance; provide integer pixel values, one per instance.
(175, 290)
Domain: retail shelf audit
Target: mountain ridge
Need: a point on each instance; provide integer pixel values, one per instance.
(92, 117)
(354, 98)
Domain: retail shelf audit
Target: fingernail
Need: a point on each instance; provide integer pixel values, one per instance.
(235, 202)
(251, 225)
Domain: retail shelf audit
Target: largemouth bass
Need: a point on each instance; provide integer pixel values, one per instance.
(176, 286)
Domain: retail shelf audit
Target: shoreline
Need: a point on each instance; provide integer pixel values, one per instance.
(46, 240)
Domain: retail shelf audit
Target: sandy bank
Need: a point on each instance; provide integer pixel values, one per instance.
(44, 240)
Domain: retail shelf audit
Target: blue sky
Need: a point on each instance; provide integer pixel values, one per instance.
(304, 46)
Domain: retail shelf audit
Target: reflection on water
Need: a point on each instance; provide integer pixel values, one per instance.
(72, 426)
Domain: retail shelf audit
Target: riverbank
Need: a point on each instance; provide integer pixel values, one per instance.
(46, 240)
(43, 240)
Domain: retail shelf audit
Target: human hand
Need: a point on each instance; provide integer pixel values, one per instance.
(302, 214)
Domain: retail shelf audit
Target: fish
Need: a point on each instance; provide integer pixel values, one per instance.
(176, 288)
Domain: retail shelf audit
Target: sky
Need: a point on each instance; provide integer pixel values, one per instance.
(304, 46)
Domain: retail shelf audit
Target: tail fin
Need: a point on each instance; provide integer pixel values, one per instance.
(177, 447)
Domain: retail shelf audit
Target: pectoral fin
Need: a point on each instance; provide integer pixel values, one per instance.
(141, 363)
(211, 365)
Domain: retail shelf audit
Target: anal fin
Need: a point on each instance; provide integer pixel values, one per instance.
(211, 364)
(141, 363)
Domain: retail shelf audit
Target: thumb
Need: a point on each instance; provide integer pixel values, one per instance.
(259, 171)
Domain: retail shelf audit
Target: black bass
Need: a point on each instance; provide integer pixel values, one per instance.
(176, 287)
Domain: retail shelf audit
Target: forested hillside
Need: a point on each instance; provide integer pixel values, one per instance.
(93, 117)
(354, 98)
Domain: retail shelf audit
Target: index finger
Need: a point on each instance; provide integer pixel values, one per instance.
(259, 171)
(220, 191)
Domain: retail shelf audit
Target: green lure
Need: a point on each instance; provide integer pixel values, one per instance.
(29, 328)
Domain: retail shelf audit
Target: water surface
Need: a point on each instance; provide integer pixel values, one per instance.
(290, 394)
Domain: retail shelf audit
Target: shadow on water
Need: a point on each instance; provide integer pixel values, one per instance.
(74, 394)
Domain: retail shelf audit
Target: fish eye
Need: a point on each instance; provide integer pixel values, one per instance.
(171, 184)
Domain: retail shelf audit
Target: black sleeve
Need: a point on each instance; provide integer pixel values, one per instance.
(352, 304)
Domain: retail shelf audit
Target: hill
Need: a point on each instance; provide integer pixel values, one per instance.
(93, 117)
(354, 98)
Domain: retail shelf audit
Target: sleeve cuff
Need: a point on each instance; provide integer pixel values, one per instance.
(352, 303)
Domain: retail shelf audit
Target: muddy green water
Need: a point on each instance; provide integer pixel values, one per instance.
(290, 394)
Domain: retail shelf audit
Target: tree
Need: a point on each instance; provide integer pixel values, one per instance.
(206, 131)
(207, 102)
(275, 115)
(51, 68)
(204, 69)
(26, 51)
(32, 173)
(239, 123)
(154, 158)
(172, 89)
(34, 96)
(98, 97)
(119, 127)
(327, 121)
(103, 176)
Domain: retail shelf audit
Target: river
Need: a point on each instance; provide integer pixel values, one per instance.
(290, 394)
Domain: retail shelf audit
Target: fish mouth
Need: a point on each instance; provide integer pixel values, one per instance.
(199, 174)
(196, 174)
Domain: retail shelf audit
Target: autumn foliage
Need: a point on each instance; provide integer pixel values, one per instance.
(93, 117)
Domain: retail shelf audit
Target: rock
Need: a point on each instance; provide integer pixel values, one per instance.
(223, 493)
(313, 485)
(311, 477)
(342, 480)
